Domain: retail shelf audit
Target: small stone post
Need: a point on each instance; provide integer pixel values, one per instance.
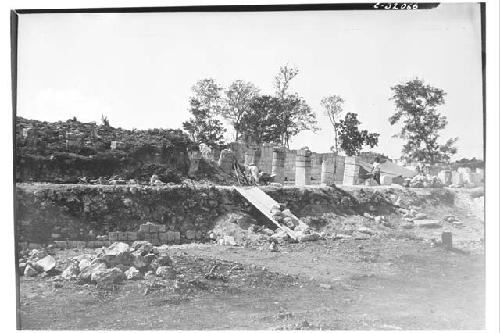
(278, 166)
(303, 167)
(252, 155)
(447, 240)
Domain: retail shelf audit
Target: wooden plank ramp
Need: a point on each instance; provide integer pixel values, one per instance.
(264, 203)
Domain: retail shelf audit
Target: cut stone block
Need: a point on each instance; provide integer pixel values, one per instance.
(132, 236)
(385, 180)
(144, 228)
(427, 223)
(190, 234)
(173, 236)
(92, 244)
(163, 237)
(199, 234)
(113, 236)
(61, 244)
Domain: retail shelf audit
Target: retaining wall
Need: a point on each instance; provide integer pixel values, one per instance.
(50, 212)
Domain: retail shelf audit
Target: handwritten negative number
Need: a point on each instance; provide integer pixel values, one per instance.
(395, 6)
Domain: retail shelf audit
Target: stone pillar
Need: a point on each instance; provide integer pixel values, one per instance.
(339, 164)
(278, 166)
(327, 171)
(316, 161)
(239, 149)
(252, 155)
(445, 177)
(226, 160)
(303, 167)
(266, 158)
(290, 157)
(194, 162)
(351, 170)
(457, 178)
(480, 172)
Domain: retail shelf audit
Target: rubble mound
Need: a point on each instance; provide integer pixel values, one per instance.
(106, 266)
(209, 172)
(239, 228)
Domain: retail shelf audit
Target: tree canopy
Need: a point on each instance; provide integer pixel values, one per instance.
(333, 108)
(351, 138)
(203, 127)
(238, 97)
(416, 110)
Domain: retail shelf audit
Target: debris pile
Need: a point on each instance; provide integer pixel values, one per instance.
(37, 262)
(284, 216)
(106, 266)
(453, 220)
(421, 181)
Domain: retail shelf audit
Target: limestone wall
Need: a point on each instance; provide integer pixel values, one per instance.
(51, 212)
(69, 212)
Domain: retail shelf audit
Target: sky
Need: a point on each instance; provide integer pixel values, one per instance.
(138, 69)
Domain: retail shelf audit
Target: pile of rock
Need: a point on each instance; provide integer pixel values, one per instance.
(37, 262)
(416, 219)
(302, 232)
(381, 219)
(284, 216)
(113, 264)
(453, 220)
(421, 181)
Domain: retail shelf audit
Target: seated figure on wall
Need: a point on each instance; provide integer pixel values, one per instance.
(254, 174)
(153, 179)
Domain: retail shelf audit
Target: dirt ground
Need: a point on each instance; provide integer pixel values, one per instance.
(395, 279)
(370, 284)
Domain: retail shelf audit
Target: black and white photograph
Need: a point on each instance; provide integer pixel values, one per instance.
(250, 167)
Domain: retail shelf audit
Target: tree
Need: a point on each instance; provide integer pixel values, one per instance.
(295, 115)
(207, 93)
(261, 123)
(271, 119)
(237, 101)
(202, 127)
(333, 109)
(283, 78)
(351, 138)
(416, 108)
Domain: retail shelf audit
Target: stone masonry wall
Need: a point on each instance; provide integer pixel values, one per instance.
(70, 212)
(50, 212)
